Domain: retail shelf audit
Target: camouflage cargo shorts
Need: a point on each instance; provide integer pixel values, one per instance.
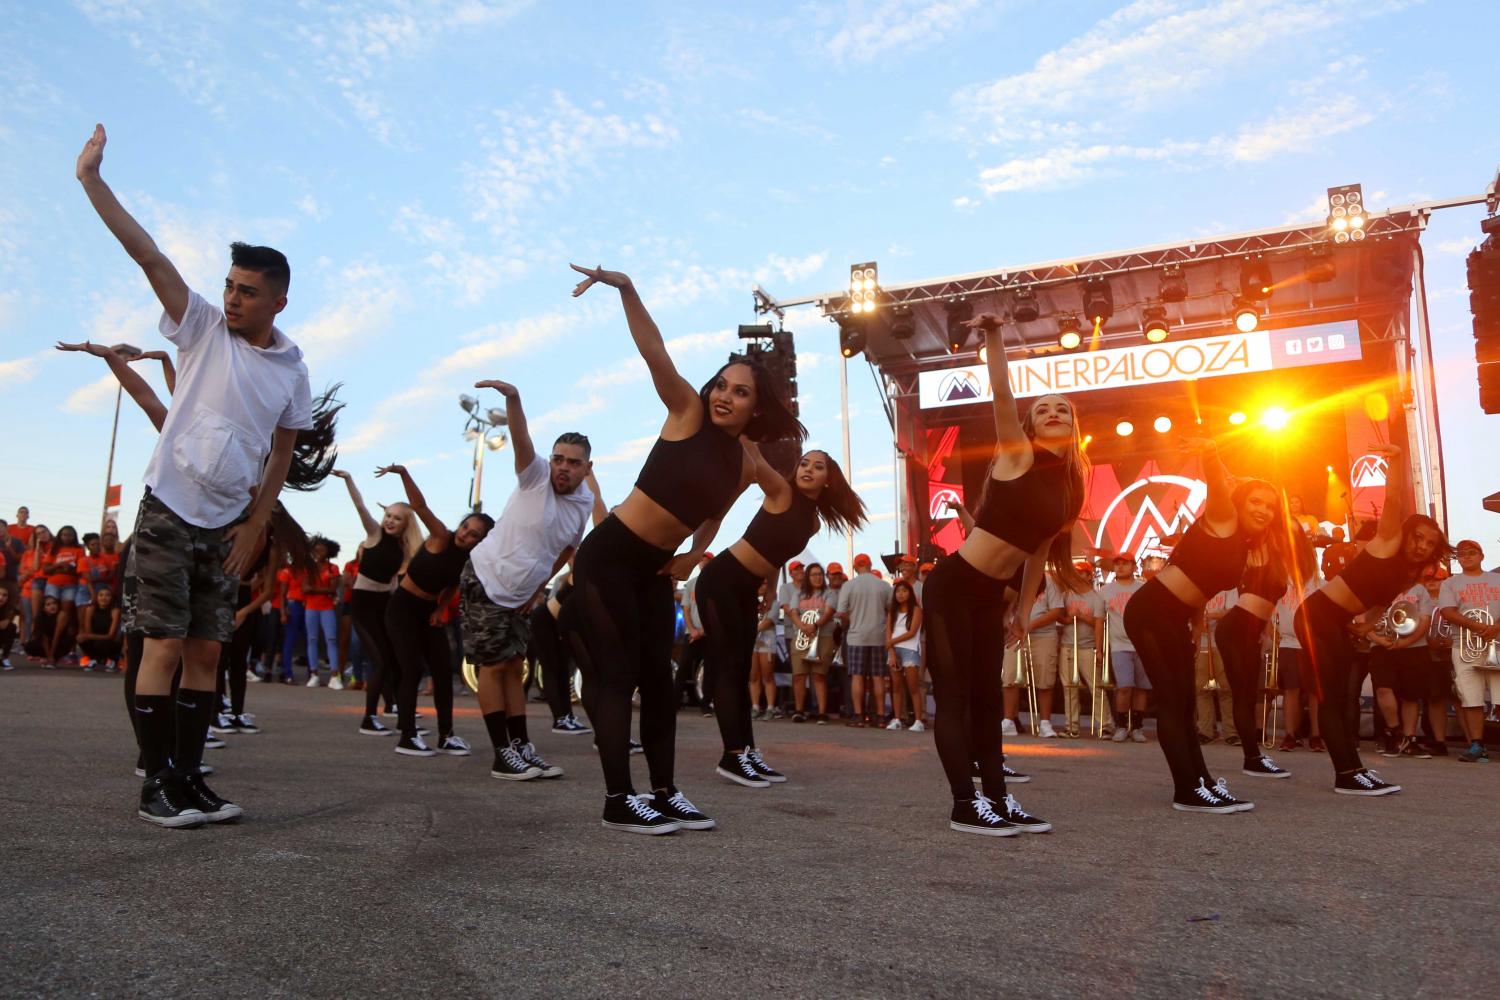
(175, 584)
(492, 634)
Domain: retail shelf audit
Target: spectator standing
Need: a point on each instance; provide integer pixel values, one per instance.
(292, 623)
(904, 640)
(1290, 668)
(814, 599)
(34, 578)
(1131, 682)
(319, 588)
(1084, 612)
(1040, 647)
(862, 607)
(1472, 590)
(10, 621)
(63, 576)
(1400, 674)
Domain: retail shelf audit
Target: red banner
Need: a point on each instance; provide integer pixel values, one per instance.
(112, 496)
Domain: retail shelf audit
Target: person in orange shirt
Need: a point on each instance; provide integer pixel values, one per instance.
(291, 618)
(318, 589)
(99, 568)
(33, 580)
(22, 529)
(62, 569)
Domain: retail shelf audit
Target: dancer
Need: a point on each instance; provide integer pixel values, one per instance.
(1402, 549)
(619, 619)
(412, 619)
(1211, 557)
(536, 536)
(815, 495)
(216, 473)
(389, 546)
(1023, 523)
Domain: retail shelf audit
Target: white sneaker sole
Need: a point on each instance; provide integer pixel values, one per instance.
(456, 753)
(649, 831)
(228, 814)
(376, 732)
(183, 820)
(572, 732)
(1033, 827)
(552, 772)
(1262, 774)
(526, 775)
(696, 824)
(1369, 793)
(776, 779)
(740, 779)
(984, 831)
(407, 752)
(1223, 810)
(1010, 779)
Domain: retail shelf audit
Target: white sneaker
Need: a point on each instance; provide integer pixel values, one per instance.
(312, 680)
(1007, 728)
(335, 683)
(1121, 735)
(1137, 736)
(894, 726)
(916, 727)
(1048, 733)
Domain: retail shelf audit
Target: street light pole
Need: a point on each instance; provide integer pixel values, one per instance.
(109, 469)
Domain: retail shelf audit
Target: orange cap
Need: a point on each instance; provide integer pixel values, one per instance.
(861, 560)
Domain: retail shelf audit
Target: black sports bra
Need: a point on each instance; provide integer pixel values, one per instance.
(436, 572)
(1376, 581)
(380, 562)
(1213, 564)
(778, 537)
(1267, 581)
(1033, 507)
(696, 478)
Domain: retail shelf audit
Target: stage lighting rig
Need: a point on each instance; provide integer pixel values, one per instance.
(1246, 316)
(863, 288)
(1069, 333)
(762, 332)
(851, 337)
(1320, 266)
(1484, 301)
(1124, 428)
(959, 313)
(1154, 323)
(1162, 424)
(1346, 213)
(1024, 307)
(1098, 301)
(1255, 280)
(1173, 284)
(903, 325)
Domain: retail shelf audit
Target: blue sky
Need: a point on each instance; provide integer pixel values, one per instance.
(431, 168)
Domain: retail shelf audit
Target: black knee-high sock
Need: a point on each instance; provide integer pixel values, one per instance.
(194, 711)
(517, 726)
(494, 723)
(155, 726)
(1122, 717)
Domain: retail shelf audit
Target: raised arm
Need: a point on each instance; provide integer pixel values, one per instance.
(600, 511)
(371, 526)
(168, 285)
(1218, 509)
(1393, 514)
(435, 528)
(1010, 438)
(515, 419)
(168, 372)
(131, 381)
(675, 392)
(778, 491)
(964, 517)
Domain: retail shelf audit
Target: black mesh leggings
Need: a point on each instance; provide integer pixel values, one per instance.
(618, 622)
(416, 643)
(1238, 638)
(1160, 627)
(963, 620)
(234, 662)
(1330, 655)
(367, 608)
(726, 597)
(556, 666)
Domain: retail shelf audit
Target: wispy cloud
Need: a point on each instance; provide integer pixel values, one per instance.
(869, 30)
(678, 284)
(93, 397)
(367, 296)
(18, 370)
(630, 451)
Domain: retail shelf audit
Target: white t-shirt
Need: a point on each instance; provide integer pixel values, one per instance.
(1286, 610)
(690, 602)
(1048, 598)
(229, 400)
(1116, 595)
(518, 554)
(1080, 607)
(1466, 593)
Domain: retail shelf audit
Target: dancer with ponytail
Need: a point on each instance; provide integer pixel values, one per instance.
(619, 619)
(815, 495)
(1022, 525)
(1403, 548)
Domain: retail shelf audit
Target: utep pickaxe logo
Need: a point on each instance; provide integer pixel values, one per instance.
(938, 510)
(958, 385)
(1181, 495)
(1368, 471)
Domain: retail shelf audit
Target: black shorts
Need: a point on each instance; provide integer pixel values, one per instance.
(492, 634)
(175, 584)
(1289, 668)
(1409, 672)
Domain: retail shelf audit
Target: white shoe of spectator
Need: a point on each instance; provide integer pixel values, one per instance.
(1048, 733)
(312, 679)
(894, 726)
(916, 727)
(1121, 735)
(335, 683)
(1007, 728)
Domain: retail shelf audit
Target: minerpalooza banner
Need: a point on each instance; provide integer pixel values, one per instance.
(1149, 364)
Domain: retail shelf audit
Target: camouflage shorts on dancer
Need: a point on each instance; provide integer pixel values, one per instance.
(492, 634)
(175, 584)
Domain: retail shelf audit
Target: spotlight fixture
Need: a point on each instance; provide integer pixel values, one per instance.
(1154, 324)
(863, 288)
(1237, 417)
(1098, 301)
(959, 313)
(1162, 424)
(1320, 266)
(851, 338)
(1255, 280)
(1346, 213)
(1173, 284)
(984, 354)
(1124, 428)
(1069, 334)
(1275, 418)
(1024, 308)
(469, 403)
(1246, 316)
(903, 326)
(763, 331)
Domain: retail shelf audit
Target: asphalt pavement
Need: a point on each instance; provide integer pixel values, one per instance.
(357, 872)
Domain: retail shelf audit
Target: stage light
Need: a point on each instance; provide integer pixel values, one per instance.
(1330, 469)
(903, 327)
(851, 337)
(1124, 428)
(863, 288)
(1255, 280)
(1173, 284)
(984, 354)
(959, 313)
(1098, 301)
(1346, 213)
(1246, 317)
(1155, 324)
(1320, 266)
(1069, 336)
(1024, 307)
(1236, 418)
(1162, 424)
(1088, 439)
(1275, 418)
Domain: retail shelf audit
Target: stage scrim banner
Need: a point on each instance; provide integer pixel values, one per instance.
(1149, 364)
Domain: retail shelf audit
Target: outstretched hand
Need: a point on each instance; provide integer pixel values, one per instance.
(149, 356)
(1197, 445)
(681, 566)
(92, 156)
(1387, 451)
(394, 470)
(97, 350)
(503, 388)
(592, 275)
(340, 473)
(985, 321)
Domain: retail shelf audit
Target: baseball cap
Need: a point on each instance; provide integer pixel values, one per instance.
(861, 560)
(906, 558)
(926, 567)
(835, 568)
(1469, 543)
(793, 566)
(878, 575)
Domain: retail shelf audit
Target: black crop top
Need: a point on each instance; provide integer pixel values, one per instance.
(436, 572)
(1213, 564)
(1033, 507)
(1267, 581)
(778, 537)
(696, 478)
(1376, 581)
(379, 562)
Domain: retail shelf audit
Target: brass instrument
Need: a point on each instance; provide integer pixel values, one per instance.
(1474, 651)
(1399, 621)
(1271, 707)
(1031, 696)
(1098, 693)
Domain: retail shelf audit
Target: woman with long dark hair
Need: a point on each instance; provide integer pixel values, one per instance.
(620, 618)
(815, 495)
(1394, 560)
(1022, 525)
(63, 582)
(1211, 557)
(813, 658)
(903, 627)
(319, 587)
(33, 579)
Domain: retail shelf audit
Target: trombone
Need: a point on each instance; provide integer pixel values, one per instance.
(1271, 707)
(1474, 651)
(1099, 682)
(1031, 696)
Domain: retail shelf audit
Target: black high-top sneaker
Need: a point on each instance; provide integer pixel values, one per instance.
(531, 757)
(978, 815)
(1020, 818)
(1202, 800)
(214, 808)
(765, 770)
(1264, 767)
(509, 766)
(738, 769)
(675, 806)
(165, 803)
(632, 813)
(1363, 782)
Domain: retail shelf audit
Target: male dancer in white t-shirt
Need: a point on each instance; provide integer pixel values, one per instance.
(507, 574)
(241, 396)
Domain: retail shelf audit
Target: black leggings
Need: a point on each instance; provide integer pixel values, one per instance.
(1161, 628)
(367, 608)
(556, 667)
(1238, 637)
(962, 619)
(234, 664)
(414, 642)
(619, 623)
(1329, 654)
(727, 598)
